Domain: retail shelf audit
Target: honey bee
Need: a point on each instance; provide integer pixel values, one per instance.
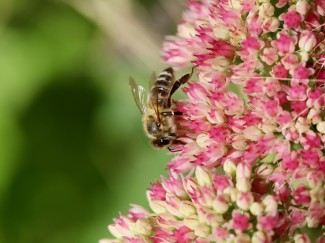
(157, 108)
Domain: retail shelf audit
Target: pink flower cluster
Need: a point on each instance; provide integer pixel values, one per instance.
(251, 165)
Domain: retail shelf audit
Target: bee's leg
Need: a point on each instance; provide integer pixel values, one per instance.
(167, 113)
(181, 81)
(171, 113)
(171, 149)
(178, 113)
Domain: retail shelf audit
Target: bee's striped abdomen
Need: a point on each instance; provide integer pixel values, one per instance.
(160, 91)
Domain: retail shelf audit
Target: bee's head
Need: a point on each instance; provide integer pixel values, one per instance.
(162, 142)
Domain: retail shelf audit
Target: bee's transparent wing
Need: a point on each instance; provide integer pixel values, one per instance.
(139, 95)
(152, 81)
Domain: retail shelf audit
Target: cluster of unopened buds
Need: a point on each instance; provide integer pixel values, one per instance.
(251, 165)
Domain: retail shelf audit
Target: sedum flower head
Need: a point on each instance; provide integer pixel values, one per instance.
(251, 166)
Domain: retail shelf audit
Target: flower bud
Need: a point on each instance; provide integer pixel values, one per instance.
(266, 9)
(312, 222)
(202, 176)
(259, 236)
(158, 206)
(315, 178)
(252, 133)
(174, 185)
(243, 185)
(190, 186)
(302, 7)
(302, 125)
(173, 205)
(165, 220)
(221, 32)
(202, 230)
(203, 140)
(232, 193)
(321, 127)
(256, 208)
(235, 4)
(268, 128)
(191, 221)
(320, 7)
(264, 170)
(315, 116)
(304, 56)
(229, 167)
(115, 231)
(307, 41)
(244, 200)
(317, 193)
(142, 227)
(270, 204)
(243, 170)
(211, 218)
(220, 63)
(239, 142)
(122, 228)
(220, 206)
(271, 24)
(301, 238)
(186, 30)
(187, 208)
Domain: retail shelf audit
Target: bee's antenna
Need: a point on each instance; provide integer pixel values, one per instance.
(157, 109)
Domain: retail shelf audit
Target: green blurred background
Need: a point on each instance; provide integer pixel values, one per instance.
(72, 150)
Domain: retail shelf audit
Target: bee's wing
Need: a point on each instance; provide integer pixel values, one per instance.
(139, 95)
(152, 81)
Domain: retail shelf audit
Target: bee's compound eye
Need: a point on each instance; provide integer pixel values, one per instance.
(152, 128)
(164, 141)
